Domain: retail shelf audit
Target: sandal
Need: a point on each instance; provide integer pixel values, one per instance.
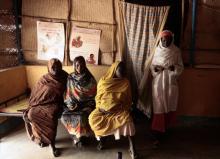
(156, 144)
(100, 146)
(79, 144)
(133, 155)
(56, 152)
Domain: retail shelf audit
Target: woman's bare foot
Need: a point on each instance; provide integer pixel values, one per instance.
(42, 144)
(55, 151)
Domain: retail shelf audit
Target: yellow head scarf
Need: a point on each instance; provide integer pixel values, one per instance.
(112, 92)
(111, 71)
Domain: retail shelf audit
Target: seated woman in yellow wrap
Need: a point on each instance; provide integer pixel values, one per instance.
(113, 103)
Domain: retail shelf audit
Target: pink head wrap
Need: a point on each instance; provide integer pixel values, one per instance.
(166, 33)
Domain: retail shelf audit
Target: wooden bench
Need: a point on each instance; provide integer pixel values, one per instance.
(13, 85)
(14, 106)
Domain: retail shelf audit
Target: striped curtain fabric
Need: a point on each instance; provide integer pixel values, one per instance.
(141, 25)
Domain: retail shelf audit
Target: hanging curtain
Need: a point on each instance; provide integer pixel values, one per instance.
(141, 25)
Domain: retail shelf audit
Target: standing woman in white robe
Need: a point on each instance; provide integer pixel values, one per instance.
(166, 67)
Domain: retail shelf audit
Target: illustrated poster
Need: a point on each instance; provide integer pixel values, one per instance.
(85, 42)
(51, 40)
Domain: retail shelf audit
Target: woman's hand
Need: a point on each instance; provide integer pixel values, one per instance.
(73, 107)
(158, 68)
(171, 68)
(104, 112)
(87, 109)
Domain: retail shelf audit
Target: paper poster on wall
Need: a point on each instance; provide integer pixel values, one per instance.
(50, 40)
(85, 42)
